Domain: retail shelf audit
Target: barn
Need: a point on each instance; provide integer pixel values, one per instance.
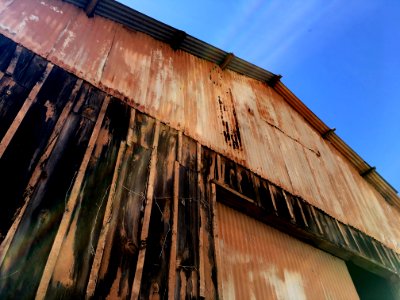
(137, 161)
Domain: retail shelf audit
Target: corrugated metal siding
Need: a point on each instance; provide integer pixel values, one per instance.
(237, 116)
(101, 200)
(259, 262)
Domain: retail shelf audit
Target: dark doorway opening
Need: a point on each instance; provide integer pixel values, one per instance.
(370, 285)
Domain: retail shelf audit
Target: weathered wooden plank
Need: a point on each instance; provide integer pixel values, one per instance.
(174, 230)
(13, 63)
(226, 171)
(26, 67)
(188, 153)
(70, 206)
(71, 271)
(246, 185)
(146, 218)
(29, 138)
(208, 173)
(122, 242)
(38, 172)
(94, 272)
(213, 200)
(7, 49)
(12, 97)
(279, 202)
(155, 268)
(28, 252)
(298, 208)
(22, 112)
(23, 71)
(188, 222)
(202, 222)
(172, 261)
(112, 208)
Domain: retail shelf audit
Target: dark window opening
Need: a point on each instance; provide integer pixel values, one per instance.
(370, 285)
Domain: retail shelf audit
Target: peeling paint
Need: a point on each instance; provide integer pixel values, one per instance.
(52, 7)
(50, 109)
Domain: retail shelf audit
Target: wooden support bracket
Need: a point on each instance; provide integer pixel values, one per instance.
(367, 172)
(91, 7)
(177, 39)
(272, 82)
(225, 63)
(328, 133)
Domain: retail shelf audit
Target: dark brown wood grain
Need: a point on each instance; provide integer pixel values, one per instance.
(33, 239)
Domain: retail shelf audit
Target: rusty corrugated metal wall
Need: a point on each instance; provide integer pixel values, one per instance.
(237, 116)
(260, 262)
(101, 200)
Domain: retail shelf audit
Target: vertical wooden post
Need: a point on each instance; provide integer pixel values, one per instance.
(172, 259)
(70, 206)
(112, 208)
(202, 255)
(131, 133)
(38, 170)
(22, 112)
(213, 201)
(146, 219)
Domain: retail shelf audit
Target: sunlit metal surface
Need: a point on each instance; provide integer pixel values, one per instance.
(259, 262)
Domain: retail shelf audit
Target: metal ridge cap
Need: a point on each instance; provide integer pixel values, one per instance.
(375, 179)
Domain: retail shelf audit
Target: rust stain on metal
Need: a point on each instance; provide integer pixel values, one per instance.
(37, 23)
(83, 46)
(230, 124)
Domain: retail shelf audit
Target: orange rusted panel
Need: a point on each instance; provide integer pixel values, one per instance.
(84, 45)
(259, 262)
(36, 24)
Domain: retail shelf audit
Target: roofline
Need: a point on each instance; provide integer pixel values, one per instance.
(178, 39)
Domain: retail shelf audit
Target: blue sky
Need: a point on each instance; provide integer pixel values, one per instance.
(340, 57)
